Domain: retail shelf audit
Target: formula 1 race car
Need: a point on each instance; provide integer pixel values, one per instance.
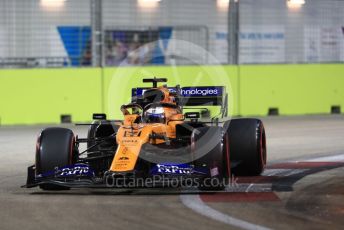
(155, 145)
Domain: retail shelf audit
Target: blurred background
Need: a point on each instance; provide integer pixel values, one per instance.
(58, 58)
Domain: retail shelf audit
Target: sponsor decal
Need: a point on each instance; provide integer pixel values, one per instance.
(124, 158)
(132, 133)
(125, 150)
(73, 170)
(129, 141)
(214, 171)
(138, 91)
(201, 91)
(174, 169)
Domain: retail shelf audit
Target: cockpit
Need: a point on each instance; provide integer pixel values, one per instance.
(155, 114)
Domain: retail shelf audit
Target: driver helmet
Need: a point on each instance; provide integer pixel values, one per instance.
(155, 115)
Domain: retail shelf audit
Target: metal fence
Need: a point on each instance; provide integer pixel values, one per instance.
(152, 45)
(43, 33)
(299, 31)
(78, 33)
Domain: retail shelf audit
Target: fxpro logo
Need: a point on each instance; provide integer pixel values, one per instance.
(173, 169)
(200, 92)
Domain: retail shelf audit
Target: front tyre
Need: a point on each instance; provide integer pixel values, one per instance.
(55, 148)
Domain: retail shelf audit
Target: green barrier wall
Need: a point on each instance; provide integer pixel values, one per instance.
(36, 96)
(293, 89)
(42, 95)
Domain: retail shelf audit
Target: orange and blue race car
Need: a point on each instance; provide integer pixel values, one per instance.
(155, 145)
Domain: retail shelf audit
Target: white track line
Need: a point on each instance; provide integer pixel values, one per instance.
(282, 172)
(336, 158)
(195, 203)
(248, 188)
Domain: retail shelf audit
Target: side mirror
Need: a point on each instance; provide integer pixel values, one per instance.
(194, 116)
(99, 116)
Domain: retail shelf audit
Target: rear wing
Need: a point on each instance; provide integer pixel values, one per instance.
(193, 96)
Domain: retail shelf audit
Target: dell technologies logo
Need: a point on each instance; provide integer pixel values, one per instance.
(200, 91)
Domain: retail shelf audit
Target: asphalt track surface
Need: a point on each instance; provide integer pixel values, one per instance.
(302, 188)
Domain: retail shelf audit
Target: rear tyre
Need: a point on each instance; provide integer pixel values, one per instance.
(209, 147)
(55, 148)
(247, 146)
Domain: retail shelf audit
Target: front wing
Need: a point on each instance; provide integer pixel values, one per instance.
(82, 176)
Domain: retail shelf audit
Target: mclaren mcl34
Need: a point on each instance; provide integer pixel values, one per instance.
(156, 144)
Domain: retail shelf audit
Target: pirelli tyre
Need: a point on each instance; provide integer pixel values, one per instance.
(209, 146)
(55, 148)
(247, 146)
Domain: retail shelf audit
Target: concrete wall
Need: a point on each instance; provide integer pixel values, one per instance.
(43, 95)
(294, 89)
